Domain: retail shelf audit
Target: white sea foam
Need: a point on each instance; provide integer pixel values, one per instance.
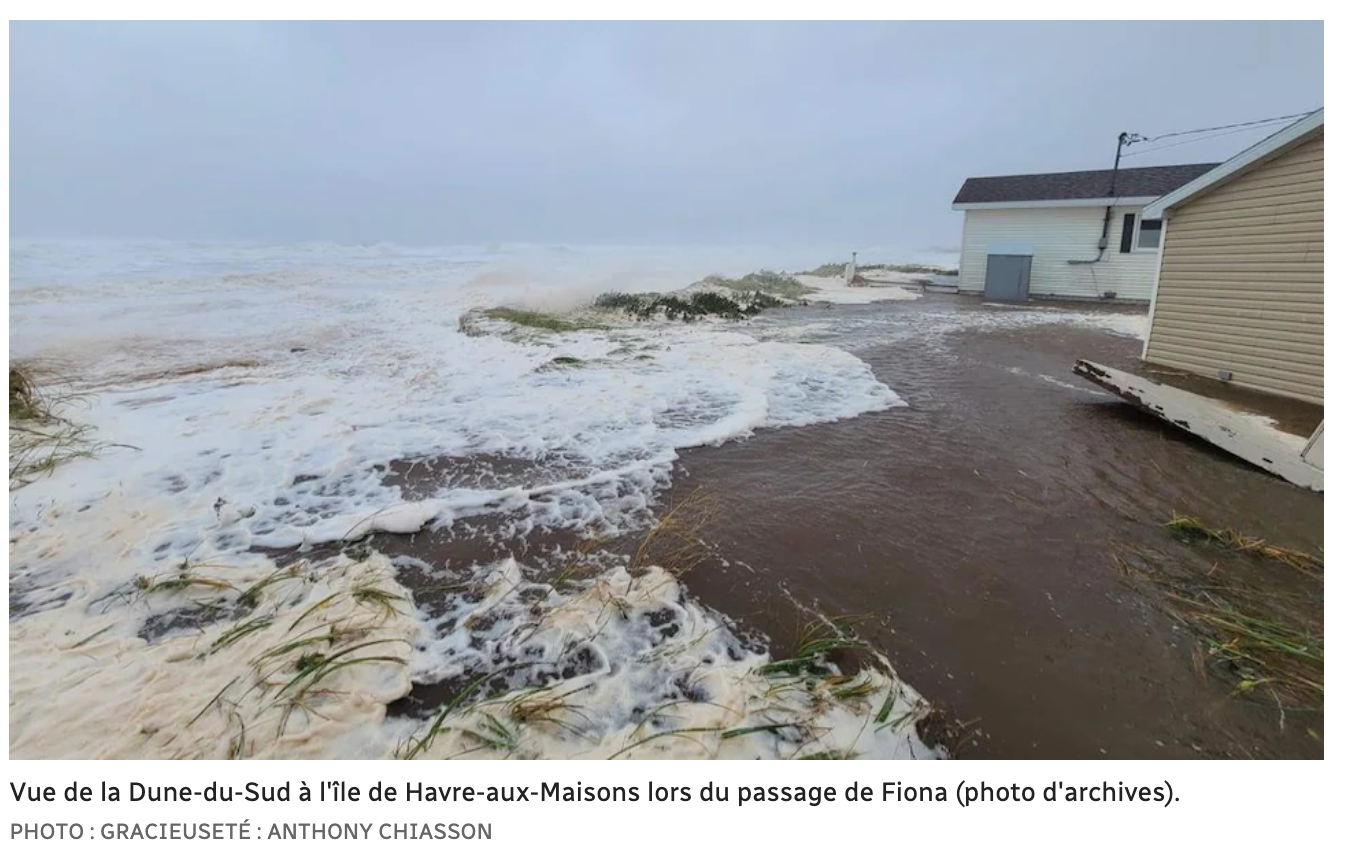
(1054, 381)
(257, 393)
(939, 319)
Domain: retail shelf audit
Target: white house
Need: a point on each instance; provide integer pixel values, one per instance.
(1067, 235)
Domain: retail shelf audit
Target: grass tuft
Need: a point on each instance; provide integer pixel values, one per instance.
(827, 269)
(239, 631)
(675, 542)
(40, 437)
(385, 603)
(690, 306)
(565, 361)
(821, 638)
(716, 296)
(537, 320)
(1265, 643)
(1305, 563)
(179, 582)
(779, 285)
(910, 268)
(26, 401)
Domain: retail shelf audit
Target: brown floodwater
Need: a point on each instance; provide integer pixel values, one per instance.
(979, 533)
(979, 530)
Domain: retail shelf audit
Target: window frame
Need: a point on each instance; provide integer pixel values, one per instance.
(1139, 232)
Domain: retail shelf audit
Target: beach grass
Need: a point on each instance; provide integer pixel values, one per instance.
(827, 269)
(566, 361)
(41, 437)
(821, 638)
(911, 268)
(691, 305)
(837, 269)
(675, 541)
(1303, 562)
(180, 581)
(537, 320)
(1263, 639)
(26, 401)
(780, 285)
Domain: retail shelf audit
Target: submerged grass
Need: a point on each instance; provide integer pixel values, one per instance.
(821, 638)
(675, 540)
(1265, 642)
(1304, 563)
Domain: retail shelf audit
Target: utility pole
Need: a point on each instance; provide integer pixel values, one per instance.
(1125, 139)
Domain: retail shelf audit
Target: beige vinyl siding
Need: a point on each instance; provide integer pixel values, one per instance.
(1056, 236)
(1241, 283)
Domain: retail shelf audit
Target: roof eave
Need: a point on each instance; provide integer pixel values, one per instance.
(1267, 148)
(1054, 203)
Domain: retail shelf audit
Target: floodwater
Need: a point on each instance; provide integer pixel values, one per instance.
(978, 530)
(977, 534)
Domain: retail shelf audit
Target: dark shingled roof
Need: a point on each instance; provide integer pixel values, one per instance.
(1151, 181)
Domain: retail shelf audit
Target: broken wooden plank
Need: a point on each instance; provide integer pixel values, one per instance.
(1242, 434)
(1312, 453)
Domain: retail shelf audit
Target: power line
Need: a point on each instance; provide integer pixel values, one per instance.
(1246, 127)
(1226, 127)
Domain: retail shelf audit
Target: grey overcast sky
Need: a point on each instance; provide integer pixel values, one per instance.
(680, 133)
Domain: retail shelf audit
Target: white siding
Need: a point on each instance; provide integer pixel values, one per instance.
(1057, 236)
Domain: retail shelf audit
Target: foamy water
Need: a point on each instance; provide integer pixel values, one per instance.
(253, 397)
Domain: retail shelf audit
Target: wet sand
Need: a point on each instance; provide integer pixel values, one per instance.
(978, 531)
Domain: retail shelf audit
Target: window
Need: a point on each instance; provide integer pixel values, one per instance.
(1127, 233)
(1150, 234)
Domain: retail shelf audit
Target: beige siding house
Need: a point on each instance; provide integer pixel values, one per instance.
(1238, 291)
